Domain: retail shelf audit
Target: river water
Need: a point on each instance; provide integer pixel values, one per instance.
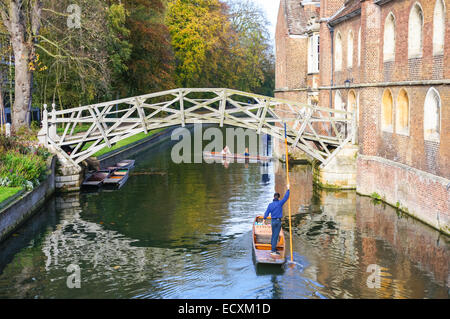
(184, 231)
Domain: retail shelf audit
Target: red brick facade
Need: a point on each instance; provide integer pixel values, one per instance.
(421, 165)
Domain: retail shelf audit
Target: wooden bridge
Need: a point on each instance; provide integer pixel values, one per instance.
(320, 132)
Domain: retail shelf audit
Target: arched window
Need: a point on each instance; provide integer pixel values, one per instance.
(439, 28)
(386, 111)
(415, 31)
(389, 38)
(359, 46)
(351, 101)
(338, 104)
(338, 52)
(350, 49)
(432, 115)
(402, 116)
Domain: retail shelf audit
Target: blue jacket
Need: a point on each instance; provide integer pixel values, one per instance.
(275, 209)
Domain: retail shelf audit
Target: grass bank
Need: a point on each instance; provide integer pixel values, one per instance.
(124, 142)
(22, 164)
(7, 192)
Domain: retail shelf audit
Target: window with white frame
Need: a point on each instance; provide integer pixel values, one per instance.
(415, 31)
(432, 115)
(359, 46)
(389, 38)
(338, 52)
(313, 53)
(439, 28)
(350, 50)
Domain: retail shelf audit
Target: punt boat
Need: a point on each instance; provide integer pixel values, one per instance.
(122, 164)
(96, 179)
(117, 178)
(262, 234)
(125, 164)
(237, 156)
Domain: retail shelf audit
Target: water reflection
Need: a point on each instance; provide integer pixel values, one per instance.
(186, 233)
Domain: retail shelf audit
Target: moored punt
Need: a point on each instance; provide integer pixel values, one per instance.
(117, 178)
(96, 179)
(122, 164)
(262, 234)
(125, 164)
(219, 155)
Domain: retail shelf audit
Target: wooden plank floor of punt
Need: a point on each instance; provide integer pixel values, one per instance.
(237, 156)
(262, 234)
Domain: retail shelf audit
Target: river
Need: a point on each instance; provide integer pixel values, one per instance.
(184, 231)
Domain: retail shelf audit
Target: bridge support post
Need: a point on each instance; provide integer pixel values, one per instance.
(68, 177)
(340, 172)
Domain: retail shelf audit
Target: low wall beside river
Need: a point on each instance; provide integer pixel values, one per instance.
(17, 212)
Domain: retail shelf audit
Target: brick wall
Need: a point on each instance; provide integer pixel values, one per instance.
(419, 193)
(416, 156)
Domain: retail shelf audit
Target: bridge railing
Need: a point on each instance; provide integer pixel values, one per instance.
(80, 132)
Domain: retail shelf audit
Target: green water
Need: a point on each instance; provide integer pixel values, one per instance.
(184, 231)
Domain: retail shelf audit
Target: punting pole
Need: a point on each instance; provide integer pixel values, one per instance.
(287, 181)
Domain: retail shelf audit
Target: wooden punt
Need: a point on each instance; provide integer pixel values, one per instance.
(262, 234)
(117, 178)
(125, 164)
(237, 156)
(96, 179)
(122, 164)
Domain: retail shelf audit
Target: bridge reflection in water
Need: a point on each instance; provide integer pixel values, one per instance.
(186, 234)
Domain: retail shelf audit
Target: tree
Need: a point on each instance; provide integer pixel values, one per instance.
(206, 48)
(220, 46)
(22, 19)
(151, 64)
(74, 66)
(119, 47)
(258, 72)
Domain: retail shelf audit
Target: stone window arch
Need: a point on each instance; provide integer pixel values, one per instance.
(351, 101)
(432, 115)
(387, 104)
(402, 113)
(389, 38)
(439, 28)
(338, 52)
(350, 49)
(415, 31)
(339, 104)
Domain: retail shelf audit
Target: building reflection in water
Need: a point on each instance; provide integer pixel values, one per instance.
(341, 233)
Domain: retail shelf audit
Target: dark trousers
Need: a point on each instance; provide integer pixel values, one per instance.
(276, 227)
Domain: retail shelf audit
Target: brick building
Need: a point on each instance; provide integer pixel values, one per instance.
(389, 61)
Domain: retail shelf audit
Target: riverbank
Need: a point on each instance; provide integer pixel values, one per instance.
(109, 157)
(19, 205)
(23, 204)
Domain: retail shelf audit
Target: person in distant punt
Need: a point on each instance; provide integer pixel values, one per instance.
(226, 151)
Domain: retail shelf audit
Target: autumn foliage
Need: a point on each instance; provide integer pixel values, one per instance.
(127, 48)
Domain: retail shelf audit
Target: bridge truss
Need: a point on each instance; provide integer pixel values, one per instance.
(318, 131)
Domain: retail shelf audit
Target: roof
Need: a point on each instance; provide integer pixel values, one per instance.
(296, 17)
(350, 9)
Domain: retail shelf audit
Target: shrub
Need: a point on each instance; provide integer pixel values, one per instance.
(21, 165)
